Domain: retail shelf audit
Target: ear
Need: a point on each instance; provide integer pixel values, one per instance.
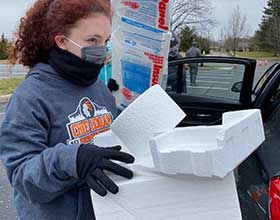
(60, 41)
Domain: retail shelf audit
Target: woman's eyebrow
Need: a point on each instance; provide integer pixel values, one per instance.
(98, 36)
(95, 35)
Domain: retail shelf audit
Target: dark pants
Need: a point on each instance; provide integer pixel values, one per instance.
(193, 72)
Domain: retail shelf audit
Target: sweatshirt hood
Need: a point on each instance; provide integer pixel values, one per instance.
(42, 69)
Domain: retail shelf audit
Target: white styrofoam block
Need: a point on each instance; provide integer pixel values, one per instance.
(150, 196)
(107, 139)
(209, 150)
(152, 112)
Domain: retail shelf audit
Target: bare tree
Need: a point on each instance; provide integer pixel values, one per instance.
(221, 40)
(237, 29)
(191, 13)
(222, 37)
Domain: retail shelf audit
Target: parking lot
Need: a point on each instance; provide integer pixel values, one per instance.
(7, 71)
(216, 80)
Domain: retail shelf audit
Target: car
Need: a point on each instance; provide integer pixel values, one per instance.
(230, 84)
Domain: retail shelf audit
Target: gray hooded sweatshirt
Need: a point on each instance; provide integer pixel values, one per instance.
(46, 121)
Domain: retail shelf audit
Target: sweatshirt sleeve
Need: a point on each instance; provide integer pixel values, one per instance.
(36, 171)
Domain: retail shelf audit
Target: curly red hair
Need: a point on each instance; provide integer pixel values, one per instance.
(44, 20)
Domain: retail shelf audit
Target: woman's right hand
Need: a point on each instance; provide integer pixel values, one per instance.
(93, 160)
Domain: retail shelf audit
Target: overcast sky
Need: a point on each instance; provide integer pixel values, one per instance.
(253, 9)
(12, 10)
(10, 13)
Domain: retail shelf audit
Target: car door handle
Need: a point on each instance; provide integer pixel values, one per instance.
(204, 115)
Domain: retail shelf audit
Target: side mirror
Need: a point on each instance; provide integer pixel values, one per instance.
(237, 87)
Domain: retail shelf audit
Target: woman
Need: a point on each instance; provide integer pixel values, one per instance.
(47, 133)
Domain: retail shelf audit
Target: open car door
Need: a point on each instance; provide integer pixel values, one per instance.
(266, 93)
(266, 96)
(259, 170)
(222, 84)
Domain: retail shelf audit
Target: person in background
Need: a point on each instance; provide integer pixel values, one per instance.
(203, 54)
(174, 54)
(46, 137)
(106, 72)
(194, 51)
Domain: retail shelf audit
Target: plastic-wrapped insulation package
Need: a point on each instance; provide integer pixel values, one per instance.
(140, 46)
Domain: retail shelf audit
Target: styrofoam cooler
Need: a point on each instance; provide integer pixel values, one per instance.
(209, 150)
(147, 130)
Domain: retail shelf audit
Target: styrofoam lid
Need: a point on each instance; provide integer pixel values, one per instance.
(152, 112)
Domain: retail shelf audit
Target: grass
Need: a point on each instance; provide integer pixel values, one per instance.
(4, 62)
(8, 86)
(258, 55)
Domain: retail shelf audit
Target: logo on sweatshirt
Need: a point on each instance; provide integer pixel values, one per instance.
(87, 121)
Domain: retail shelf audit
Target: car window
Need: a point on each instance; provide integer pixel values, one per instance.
(272, 102)
(218, 80)
(262, 80)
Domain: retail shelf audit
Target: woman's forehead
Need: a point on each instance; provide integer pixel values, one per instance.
(97, 25)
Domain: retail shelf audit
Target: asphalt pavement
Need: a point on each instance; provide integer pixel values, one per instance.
(7, 210)
(216, 80)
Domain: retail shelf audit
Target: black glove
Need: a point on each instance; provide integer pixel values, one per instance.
(113, 85)
(92, 160)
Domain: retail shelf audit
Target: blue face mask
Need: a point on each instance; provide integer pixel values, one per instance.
(92, 54)
(109, 47)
